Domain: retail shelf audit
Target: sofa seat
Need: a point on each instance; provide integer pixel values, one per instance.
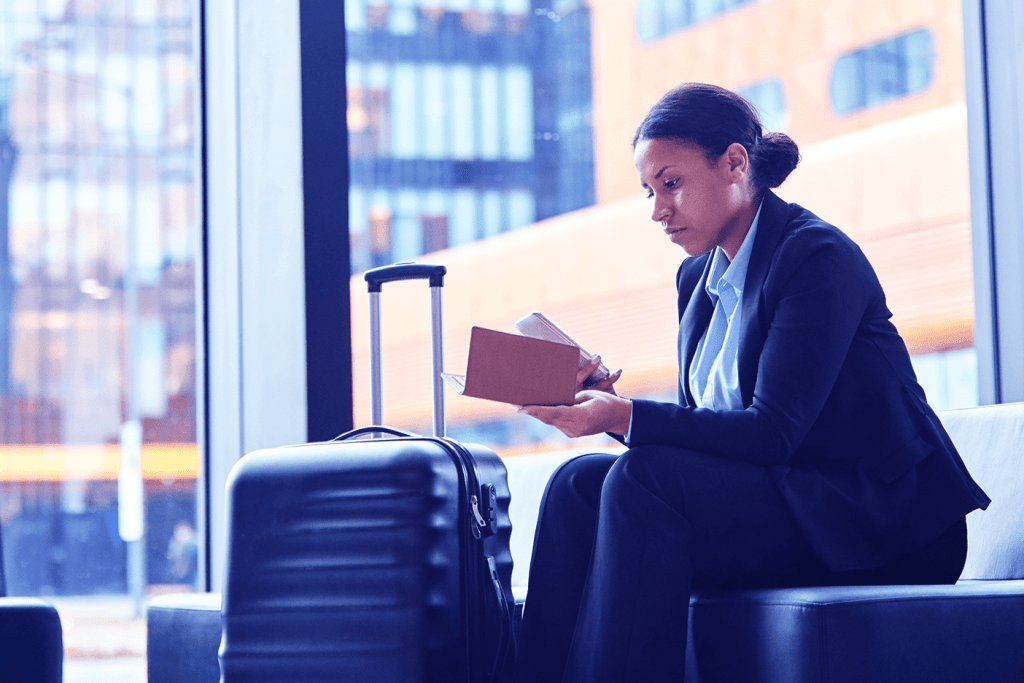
(972, 631)
(183, 636)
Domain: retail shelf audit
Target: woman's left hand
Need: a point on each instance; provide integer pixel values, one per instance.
(585, 377)
(594, 412)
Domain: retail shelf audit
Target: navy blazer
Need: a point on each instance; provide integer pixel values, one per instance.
(831, 401)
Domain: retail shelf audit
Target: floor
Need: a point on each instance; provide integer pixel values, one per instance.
(104, 639)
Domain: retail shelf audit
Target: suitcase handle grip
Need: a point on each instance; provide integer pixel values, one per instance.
(376, 277)
(377, 429)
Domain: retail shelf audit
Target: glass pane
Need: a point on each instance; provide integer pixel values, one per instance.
(677, 14)
(769, 99)
(920, 58)
(848, 87)
(649, 23)
(97, 318)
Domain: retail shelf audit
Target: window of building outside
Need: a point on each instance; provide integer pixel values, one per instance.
(884, 71)
(494, 137)
(769, 98)
(97, 317)
(656, 18)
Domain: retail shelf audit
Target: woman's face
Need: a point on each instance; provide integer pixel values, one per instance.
(700, 204)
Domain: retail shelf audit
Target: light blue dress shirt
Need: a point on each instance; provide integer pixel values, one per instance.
(714, 374)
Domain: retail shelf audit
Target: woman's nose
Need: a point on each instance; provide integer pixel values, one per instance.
(662, 211)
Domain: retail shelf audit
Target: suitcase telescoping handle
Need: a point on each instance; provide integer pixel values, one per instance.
(375, 279)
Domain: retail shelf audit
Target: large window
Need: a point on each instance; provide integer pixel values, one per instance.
(603, 272)
(97, 317)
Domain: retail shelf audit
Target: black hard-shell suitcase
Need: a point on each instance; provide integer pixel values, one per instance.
(370, 559)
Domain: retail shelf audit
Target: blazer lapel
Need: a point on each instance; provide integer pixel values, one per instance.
(695, 319)
(774, 214)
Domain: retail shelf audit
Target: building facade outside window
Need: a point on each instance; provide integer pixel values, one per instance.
(466, 120)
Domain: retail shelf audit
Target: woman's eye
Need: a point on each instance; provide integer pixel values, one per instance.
(669, 184)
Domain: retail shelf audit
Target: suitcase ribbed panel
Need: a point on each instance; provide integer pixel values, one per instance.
(345, 564)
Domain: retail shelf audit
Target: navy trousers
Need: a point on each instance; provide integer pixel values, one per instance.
(622, 540)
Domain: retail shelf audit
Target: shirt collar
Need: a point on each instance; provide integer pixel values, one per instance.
(735, 272)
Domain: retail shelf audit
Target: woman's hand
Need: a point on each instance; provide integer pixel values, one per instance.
(584, 382)
(594, 412)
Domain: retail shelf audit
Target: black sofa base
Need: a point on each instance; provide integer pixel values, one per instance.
(972, 631)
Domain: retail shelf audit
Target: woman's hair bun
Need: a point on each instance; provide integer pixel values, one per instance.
(775, 157)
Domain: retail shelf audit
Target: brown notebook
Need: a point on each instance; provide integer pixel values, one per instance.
(519, 370)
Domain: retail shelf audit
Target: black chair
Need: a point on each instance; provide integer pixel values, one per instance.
(31, 639)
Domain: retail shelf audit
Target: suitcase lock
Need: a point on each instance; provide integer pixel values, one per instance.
(484, 521)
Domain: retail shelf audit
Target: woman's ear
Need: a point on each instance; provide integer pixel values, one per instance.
(737, 162)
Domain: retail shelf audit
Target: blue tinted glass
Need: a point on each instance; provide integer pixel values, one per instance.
(521, 209)
(518, 113)
(435, 112)
(490, 113)
(463, 217)
(920, 50)
(355, 15)
(656, 18)
(402, 20)
(405, 112)
(463, 121)
(705, 9)
(407, 242)
(676, 13)
(883, 71)
(648, 20)
(847, 87)
(493, 213)
(769, 99)
(4, 100)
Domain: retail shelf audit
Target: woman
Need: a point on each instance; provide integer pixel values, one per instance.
(801, 452)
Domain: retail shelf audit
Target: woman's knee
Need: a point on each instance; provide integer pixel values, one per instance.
(649, 464)
(660, 470)
(578, 481)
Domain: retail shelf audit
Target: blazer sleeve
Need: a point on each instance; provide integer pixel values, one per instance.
(818, 294)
